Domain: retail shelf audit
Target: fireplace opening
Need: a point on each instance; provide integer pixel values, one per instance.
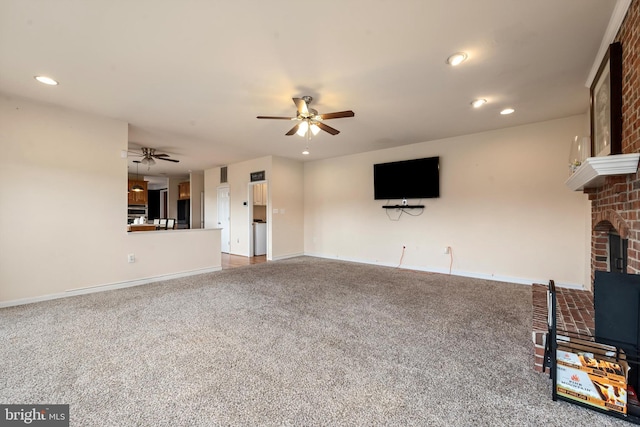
(617, 253)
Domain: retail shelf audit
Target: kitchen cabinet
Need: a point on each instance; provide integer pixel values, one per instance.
(137, 197)
(260, 194)
(184, 191)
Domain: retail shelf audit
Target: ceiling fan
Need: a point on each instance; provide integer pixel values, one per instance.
(149, 155)
(309, 119)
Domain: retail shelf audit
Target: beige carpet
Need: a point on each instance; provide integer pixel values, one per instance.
(304, 341)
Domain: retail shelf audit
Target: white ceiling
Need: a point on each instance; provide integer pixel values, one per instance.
(190, 76)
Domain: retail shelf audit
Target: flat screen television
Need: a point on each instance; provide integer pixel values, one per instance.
(407, 179)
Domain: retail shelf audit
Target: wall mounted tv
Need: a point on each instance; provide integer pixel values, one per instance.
(407, 179)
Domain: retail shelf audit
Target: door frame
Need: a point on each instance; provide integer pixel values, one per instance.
(250, 219)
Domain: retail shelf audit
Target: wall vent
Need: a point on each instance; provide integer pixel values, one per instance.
(223, 175)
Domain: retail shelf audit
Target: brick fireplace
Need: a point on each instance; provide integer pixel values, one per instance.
(615, 208)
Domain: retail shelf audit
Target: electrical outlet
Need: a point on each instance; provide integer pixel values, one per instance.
(447, 250)
(131, 258)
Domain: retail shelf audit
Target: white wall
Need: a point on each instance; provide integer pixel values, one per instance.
(63, 208)
(504, 208)
(286, 189)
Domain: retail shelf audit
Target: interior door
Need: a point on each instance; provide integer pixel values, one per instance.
(223, 218)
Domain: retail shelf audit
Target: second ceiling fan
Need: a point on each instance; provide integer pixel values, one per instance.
(149, 156)
(309, 120)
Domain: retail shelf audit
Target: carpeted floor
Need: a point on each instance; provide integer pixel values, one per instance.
(304, 341)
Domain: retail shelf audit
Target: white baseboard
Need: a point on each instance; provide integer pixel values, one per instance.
(160, 278)
(484, 276)
(107, 287)
(286, 256)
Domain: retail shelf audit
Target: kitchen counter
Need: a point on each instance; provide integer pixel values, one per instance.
(142, 227)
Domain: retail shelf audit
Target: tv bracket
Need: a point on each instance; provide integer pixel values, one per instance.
(405, 205)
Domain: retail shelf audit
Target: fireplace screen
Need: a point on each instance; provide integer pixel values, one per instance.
(616, 300)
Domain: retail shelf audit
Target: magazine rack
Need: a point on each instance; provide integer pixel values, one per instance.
(588, 373)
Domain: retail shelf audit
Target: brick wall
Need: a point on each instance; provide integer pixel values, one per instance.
(575, 314)
(629, 36)
(616, 205)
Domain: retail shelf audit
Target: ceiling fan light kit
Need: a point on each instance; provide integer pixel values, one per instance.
(148, 161)
(303, 128)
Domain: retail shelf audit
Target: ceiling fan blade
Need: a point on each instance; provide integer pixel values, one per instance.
(276, 118)
(326, 128)
(168, 160)
(336, 115)
(160, 155)
(293, 130)
(301, 105)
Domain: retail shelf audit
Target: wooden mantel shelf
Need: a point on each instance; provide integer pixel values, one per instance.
(592, 172)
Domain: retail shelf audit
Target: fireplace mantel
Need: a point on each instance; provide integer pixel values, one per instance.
(592, 172)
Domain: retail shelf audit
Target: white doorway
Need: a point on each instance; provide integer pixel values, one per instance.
(223, 219)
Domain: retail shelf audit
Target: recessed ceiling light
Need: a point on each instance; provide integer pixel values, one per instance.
(507, 111)
(46, 80)
(457, 58)
(477, 103)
